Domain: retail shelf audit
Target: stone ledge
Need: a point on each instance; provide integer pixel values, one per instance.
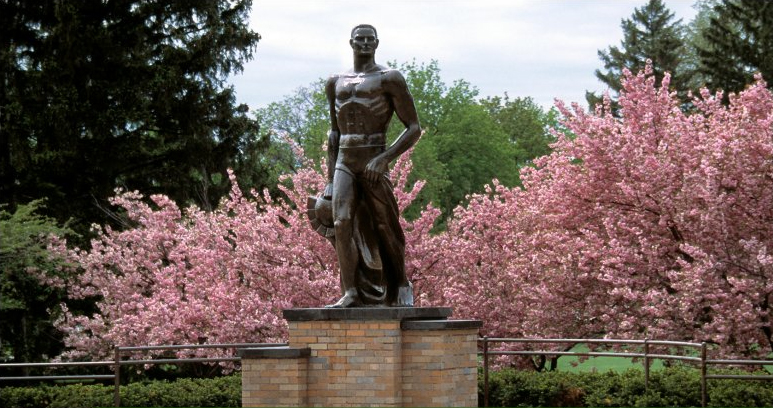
(367, 313)
(274, 352)
(440, 324)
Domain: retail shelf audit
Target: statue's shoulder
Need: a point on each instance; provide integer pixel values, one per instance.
(392, 75)
(330, 83)
(333, 78)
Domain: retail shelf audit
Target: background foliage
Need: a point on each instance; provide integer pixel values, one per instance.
(672, 387)
(645, 222)
(648, 216)
(102, 94)
(27, 333)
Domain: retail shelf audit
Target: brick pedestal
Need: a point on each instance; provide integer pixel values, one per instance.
(274, 377)
(440, 363)
(366, 357)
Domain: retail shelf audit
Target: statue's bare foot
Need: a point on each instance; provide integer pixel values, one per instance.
(404, 296)
(348, 300)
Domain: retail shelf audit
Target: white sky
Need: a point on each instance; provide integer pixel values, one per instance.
(544, 49)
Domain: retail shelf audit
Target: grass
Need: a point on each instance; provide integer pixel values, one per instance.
(602, 364)
(616, 364)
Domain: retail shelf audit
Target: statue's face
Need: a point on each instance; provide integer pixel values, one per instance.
(364, 41)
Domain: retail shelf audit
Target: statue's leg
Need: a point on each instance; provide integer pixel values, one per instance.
(344, 206)
(386, 214)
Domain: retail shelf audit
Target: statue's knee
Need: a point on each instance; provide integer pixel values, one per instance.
(382, 229)
(342, 225)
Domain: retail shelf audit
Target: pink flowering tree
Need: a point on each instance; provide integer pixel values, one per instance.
(193, 277)
(656, 224)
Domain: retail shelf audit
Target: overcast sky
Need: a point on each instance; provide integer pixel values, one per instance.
(544, 49)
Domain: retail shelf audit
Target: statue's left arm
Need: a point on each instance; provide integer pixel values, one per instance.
(334, 135)
(402, 101)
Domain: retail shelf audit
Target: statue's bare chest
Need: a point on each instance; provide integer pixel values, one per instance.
(366, 88)
(362, 103)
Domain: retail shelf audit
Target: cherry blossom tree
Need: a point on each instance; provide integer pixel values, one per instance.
(191, 276)
(657, 224)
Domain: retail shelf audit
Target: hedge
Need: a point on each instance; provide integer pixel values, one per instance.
(216, 392)
(670, 387)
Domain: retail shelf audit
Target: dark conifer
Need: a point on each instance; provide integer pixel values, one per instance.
(103, 94)
(738, 43)
(650, 34)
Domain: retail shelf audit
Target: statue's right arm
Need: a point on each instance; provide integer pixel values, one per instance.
(333, 136)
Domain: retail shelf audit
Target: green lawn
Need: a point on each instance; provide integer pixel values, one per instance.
(602, 364)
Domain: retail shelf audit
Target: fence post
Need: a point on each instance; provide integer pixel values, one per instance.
(646, 364)
(117, 379)
(704, 388)
(485, 371)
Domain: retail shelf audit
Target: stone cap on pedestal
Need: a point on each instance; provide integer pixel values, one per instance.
(441, 324)
(367, 313)
(274, 352)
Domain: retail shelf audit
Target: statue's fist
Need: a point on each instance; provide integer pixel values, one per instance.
(328, 194)
(375, 168)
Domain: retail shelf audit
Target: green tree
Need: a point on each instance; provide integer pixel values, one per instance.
(650, 34)
(526, 123)
(694, 40)
(463, 147)
(98, 94)
(736, 44)
(26, 332)
(301, 117)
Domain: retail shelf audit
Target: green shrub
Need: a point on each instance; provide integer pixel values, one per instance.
(738, 393)
(216, 392)
(677, 386)
(25, 397)
(513, 388)
(81, 396)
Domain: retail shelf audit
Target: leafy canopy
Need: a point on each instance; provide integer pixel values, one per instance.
(100, 94)
(27, 333)
(655, 223)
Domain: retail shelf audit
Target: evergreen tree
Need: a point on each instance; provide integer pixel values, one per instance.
(695, 41)
(737, 44)
(650, 34)
(99, 94)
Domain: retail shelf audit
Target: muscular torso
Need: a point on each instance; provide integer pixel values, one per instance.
(362, 105)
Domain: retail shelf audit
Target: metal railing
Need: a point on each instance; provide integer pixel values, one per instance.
(645, 355)
(118, 362)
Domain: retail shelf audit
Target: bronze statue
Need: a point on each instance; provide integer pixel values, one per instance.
(364, 225)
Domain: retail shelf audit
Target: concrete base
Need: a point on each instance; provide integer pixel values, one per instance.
(366, 357)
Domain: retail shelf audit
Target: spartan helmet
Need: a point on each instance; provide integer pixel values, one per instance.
(320, 213)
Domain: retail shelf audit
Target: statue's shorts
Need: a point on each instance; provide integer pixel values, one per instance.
(355, 151)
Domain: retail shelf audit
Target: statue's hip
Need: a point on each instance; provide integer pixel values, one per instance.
(356, 150)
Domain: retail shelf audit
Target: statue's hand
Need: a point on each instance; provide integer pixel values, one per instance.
(375, 169)
(328, 194)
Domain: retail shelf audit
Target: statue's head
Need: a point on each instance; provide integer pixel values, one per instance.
(364, 39)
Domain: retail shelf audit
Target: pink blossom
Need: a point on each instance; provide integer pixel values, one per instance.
(657, 224)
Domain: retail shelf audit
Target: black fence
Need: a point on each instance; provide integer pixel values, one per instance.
(695, 353)
(119, 361)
